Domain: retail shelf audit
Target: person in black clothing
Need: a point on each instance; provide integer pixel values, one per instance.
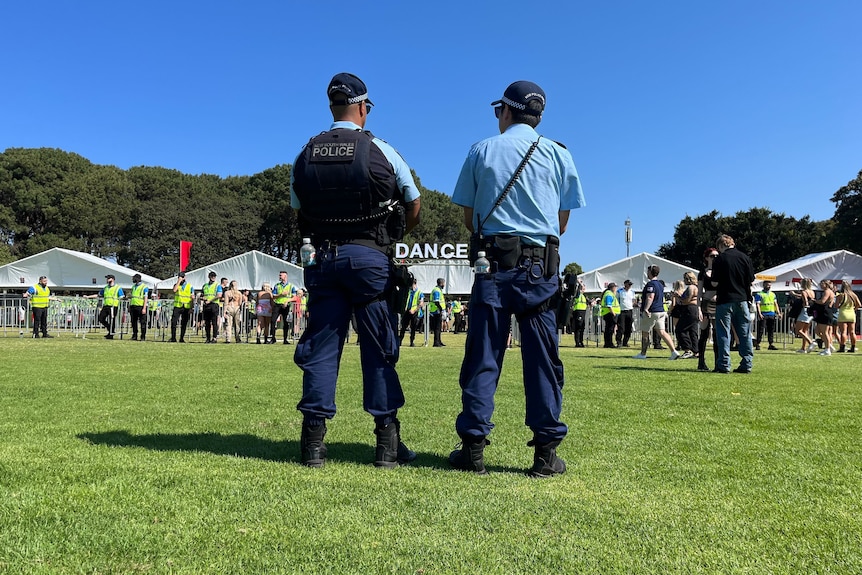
(732, 274)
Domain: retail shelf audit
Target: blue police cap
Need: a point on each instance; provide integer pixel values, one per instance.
(519, 94)
(347, 85)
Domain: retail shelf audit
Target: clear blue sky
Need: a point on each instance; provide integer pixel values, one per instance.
(669, 108)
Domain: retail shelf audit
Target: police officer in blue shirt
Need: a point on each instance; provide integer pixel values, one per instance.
(520, 235)
(355, 198)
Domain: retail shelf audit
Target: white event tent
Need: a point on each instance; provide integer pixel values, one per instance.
(836, 266)
(67, 270)
(633, 268)
(250, 270)
(457, 273)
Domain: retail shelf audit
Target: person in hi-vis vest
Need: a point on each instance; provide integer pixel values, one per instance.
(183, 295)
(40, 297)
(138, 307)
(410, 315)
(111, 295)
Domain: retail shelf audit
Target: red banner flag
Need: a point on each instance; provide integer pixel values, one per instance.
(185, 254)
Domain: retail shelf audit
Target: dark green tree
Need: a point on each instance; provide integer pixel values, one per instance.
(847, 233)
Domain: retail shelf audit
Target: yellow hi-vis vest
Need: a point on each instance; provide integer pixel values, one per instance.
(615, 304)
(183, 296)
(580, 303)
(456, 306)
(41, 297)
(111, 296)
(440, 304)
(282, 293)
(210, 292)
(138, 295)
(767, 302)
(412, 301)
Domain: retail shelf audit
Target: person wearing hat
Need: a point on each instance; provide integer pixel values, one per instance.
(355, 197)
(183, 296)
(138, 307)
(520, 233)
(211, 294)
(111, 295)
(625, 322)
(40, 297)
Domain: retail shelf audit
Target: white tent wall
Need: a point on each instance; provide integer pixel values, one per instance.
(836, 266)
(457, 273)
(66, 270)
(250, 270)
(633, 268)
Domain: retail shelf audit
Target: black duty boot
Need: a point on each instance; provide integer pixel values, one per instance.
(471, 456)
(545, 461)
(391, 452)
(311, 445)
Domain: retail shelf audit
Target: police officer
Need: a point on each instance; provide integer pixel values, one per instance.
(522, 233)
(40, 297)
(282, 299)
(183, 298)
(355, 197)
(137, 307)
(211, 294)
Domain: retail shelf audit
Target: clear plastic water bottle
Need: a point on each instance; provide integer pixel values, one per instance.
(482, 265)
(307, 253)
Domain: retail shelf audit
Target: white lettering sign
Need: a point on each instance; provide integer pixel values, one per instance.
(431, 251)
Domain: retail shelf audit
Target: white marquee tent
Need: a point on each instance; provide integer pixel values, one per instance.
(633, 268)
(457, 273)
(836, 266)
(250, 270)
(66, 270)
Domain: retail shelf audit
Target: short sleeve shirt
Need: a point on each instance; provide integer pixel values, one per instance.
(653, 287)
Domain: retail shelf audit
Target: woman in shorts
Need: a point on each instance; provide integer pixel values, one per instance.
(802, 325)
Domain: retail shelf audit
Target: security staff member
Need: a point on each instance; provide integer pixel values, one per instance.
(183, 296)
(523, 233)
(354, 195)
(210, 296)
(610, 311)
(436, 305)
(579, 306)
(282, 299)
(137, 307)
(40, 297)
(409, 317)
(110, 295)
(457, 316)
(767, 312)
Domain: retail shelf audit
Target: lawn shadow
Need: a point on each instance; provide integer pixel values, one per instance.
(246, 445)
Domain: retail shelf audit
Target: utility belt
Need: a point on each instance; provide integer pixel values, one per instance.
(507, 252)
(387, 249)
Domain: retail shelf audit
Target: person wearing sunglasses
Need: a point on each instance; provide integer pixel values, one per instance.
(522, 230)
(732, 274)
(355, 197)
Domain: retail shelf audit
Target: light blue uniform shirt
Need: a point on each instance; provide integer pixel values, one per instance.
(549, 184)
(402, 170)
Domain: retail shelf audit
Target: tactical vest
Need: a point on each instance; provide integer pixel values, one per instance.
(183, 296)
(42, 296)
(347, 190)
(137, 297)
(111, 296)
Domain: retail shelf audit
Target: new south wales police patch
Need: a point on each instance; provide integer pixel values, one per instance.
(333, 151)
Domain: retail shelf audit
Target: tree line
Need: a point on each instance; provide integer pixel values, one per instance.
(52, 198)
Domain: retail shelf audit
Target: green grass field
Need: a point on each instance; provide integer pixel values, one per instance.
(130, 457)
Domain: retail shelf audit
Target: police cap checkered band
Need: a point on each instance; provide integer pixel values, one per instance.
(348, 85)
(521, 93)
